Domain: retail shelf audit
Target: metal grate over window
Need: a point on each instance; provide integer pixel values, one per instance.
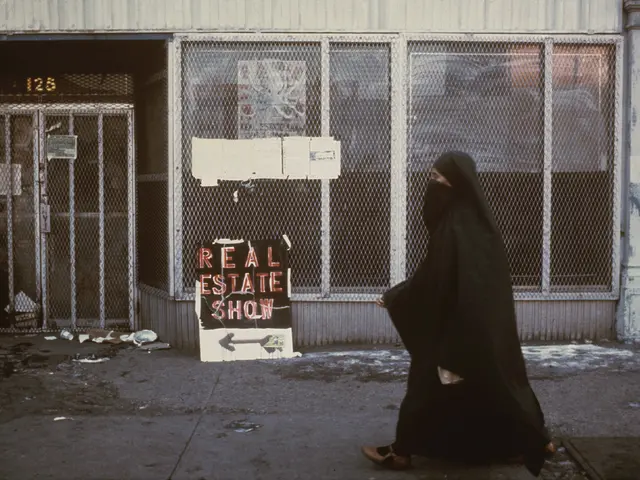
(540, 116)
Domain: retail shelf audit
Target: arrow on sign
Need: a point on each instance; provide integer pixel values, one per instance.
(270, 343)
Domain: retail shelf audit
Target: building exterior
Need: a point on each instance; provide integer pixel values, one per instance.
(543, 94)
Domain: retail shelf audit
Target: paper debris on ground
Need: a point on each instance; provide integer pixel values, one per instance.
(155, 346)
(50, 338)
(144, 336)
(66, 334)
(57, 419)
(243, 426)
(91, 360)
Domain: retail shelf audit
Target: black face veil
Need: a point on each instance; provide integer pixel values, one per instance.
(460, 170)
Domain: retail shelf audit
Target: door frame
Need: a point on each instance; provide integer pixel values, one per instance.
(40, 197)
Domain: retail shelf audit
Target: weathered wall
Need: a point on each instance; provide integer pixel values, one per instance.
(452, 16)
(325, 323)
(629, 310)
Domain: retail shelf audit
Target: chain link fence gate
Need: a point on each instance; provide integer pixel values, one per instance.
(542, 118)
(19, 252)
(67, 230)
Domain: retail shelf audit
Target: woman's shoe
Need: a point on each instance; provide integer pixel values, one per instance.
(549, 451)
(387, 458)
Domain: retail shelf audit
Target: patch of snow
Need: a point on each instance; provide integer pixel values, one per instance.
(568, 356)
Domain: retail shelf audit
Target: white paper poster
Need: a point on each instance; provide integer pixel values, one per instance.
(272, 99)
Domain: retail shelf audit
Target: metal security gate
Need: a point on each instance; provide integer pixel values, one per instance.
(67, 224)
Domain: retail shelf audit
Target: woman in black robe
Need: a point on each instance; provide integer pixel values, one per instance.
(468, 397)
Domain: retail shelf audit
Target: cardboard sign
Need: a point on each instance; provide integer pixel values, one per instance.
(243, 302)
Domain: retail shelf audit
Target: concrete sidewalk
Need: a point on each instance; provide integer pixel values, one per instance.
(162, 415)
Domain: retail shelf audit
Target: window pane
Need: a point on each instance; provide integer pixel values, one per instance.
(211, 109)
(486, 100)
(583, 123)
(360, 197)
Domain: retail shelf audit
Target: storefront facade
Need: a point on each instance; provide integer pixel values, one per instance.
(536, 92)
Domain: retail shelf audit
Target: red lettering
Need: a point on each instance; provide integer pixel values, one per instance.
(263, 277)
(266, 307)
(204, 255)
(226, 257)
(220, 287)
(247, 283)
(252, 259)
(218, 312)
(254, 308)
(237, 311)
(203, 284)
(270, 261)
(274, 284)
(234, 281)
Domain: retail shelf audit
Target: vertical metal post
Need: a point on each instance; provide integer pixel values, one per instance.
(547, 167)
(101, 250)
(72, 232)
(171, 58)
(617, 167)
(176, 78)
(325, 199)
(131, 205)
(399, 114)
(40, 192)
(7, 158)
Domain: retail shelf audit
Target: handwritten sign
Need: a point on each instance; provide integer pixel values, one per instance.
(244, 285)
(243, 302)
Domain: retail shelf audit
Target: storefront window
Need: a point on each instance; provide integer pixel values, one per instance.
(215, 107)
(582, 191)
(360, 197)
(486, 100)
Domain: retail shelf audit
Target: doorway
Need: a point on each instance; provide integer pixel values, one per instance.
(67, 224)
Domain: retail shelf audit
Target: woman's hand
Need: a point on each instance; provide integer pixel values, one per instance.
(380, 303)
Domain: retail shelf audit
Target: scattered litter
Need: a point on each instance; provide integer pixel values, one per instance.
(634, 405)
(91, 360)
(235, 196)
(143, 407)
(104, 336)
(57, 419)
(155, 346)
(50, 338)
(144, 336)
(23, 304)
(243, 427)
(127, 337)
(83, 337)
(66, 334)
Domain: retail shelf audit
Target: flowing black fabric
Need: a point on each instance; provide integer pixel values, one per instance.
(457, 312)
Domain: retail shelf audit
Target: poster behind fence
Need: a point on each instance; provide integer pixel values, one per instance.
(272, 98)
(243, 300)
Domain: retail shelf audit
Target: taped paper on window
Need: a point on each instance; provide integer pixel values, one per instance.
(324, 158)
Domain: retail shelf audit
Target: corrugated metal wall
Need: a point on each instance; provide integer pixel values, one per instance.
(316, 323)
(451, 16)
